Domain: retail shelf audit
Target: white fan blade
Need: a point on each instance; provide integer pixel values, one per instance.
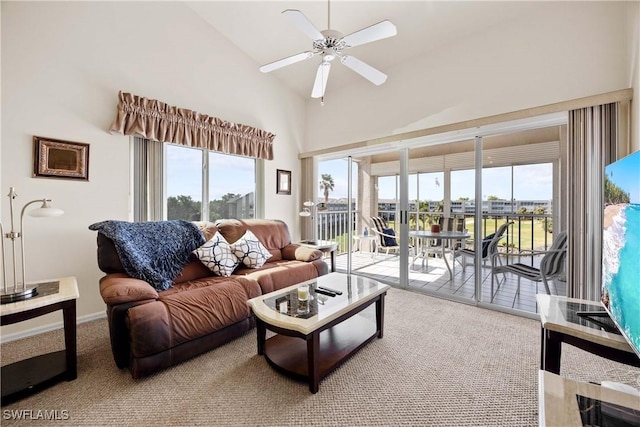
(365, 70)
(378, 31)
(321, 80)
(286, 61)
(303, 24)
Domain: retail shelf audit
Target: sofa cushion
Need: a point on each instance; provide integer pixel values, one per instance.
(250, 251)
(273, 234)
(218, 256)
(206, 305)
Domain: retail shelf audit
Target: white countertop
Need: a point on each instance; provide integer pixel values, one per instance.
(68, 289)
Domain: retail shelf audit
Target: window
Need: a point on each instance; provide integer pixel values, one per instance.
(232, 186)
(184, 183)
(191, 184)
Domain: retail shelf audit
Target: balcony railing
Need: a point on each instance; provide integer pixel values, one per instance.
(529, 231)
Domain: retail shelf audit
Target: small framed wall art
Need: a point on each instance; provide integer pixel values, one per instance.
(54, 158)
(283, 181)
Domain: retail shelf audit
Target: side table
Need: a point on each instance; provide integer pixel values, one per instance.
(326, 246)
(561, 324)
(370, 242)
(28, 376)
(566, 402)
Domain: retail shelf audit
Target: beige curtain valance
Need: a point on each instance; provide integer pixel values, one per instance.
(159, 121)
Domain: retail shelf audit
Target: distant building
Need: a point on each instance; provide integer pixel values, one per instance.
(241, 207)
(467, 207)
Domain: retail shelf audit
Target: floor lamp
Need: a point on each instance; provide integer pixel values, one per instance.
(19, 290)
(310, 210)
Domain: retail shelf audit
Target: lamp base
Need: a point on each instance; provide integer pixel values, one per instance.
(19, 295)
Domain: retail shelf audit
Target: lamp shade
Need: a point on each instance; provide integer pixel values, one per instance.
(46, 210)
(305, 212)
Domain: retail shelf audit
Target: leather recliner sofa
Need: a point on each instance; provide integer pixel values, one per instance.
(151, 330)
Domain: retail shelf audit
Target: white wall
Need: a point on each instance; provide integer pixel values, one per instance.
(562, 51)
(63, 64)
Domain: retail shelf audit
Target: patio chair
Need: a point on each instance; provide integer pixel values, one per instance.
(387, 239)
(489, 248)
(551, 264)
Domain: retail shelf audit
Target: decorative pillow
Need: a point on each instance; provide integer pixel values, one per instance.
(250, 251)
(389, 241)
(218, 256)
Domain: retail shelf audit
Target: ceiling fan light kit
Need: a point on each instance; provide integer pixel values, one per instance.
(331, 44)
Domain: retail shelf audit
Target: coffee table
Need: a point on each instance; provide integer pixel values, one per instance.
(309, 346)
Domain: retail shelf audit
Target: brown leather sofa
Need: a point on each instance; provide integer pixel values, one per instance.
(151, 330)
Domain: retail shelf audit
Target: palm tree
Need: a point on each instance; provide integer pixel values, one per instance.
(326, 185)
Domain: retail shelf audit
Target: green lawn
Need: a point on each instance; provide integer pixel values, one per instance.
(519, 234)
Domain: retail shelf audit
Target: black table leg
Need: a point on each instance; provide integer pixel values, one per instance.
(70, 339)
(313, 352)
(552, 352)
(261, 332)
(380, 315)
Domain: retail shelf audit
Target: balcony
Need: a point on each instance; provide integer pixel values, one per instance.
(528, 232)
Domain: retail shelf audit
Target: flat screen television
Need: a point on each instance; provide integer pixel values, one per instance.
(621, 247)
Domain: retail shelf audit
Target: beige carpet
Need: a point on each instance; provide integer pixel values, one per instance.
(440, 363)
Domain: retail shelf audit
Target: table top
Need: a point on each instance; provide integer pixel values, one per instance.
(558, 400)
(320, 244)
(439, 235)
(363, 237)
(557, 313)
(356, 290)
(67, 289)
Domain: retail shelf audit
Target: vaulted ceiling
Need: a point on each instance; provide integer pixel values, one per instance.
(260, 30)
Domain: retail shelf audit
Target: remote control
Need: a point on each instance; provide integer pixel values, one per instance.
(324, 288)
(323, 292)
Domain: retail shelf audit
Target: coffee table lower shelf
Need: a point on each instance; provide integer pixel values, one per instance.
(288, 354)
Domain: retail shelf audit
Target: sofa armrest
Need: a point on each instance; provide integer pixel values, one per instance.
(120, 288)
(300, 253)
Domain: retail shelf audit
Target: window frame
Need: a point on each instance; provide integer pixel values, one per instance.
(140, 157)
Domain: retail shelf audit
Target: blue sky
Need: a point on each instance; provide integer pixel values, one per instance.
(531, 182)
(185, 168)
(625, 173)
(184, 173)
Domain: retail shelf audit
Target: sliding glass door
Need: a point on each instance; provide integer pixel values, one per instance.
(502, 186)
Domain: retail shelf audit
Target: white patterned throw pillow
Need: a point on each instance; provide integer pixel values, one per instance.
(250, 251)
(218, 256)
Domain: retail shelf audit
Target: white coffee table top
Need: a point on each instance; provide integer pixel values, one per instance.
(556, 315)
(356, 290)
(68, 289)
(558, 404)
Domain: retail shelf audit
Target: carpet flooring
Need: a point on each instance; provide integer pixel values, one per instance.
(440, 363)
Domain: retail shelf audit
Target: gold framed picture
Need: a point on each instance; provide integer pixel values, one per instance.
(55, 158)
(283, 181)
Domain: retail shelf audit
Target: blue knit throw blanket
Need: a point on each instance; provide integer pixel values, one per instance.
(154, 252)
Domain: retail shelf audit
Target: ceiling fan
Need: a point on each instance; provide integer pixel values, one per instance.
(331, 44)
